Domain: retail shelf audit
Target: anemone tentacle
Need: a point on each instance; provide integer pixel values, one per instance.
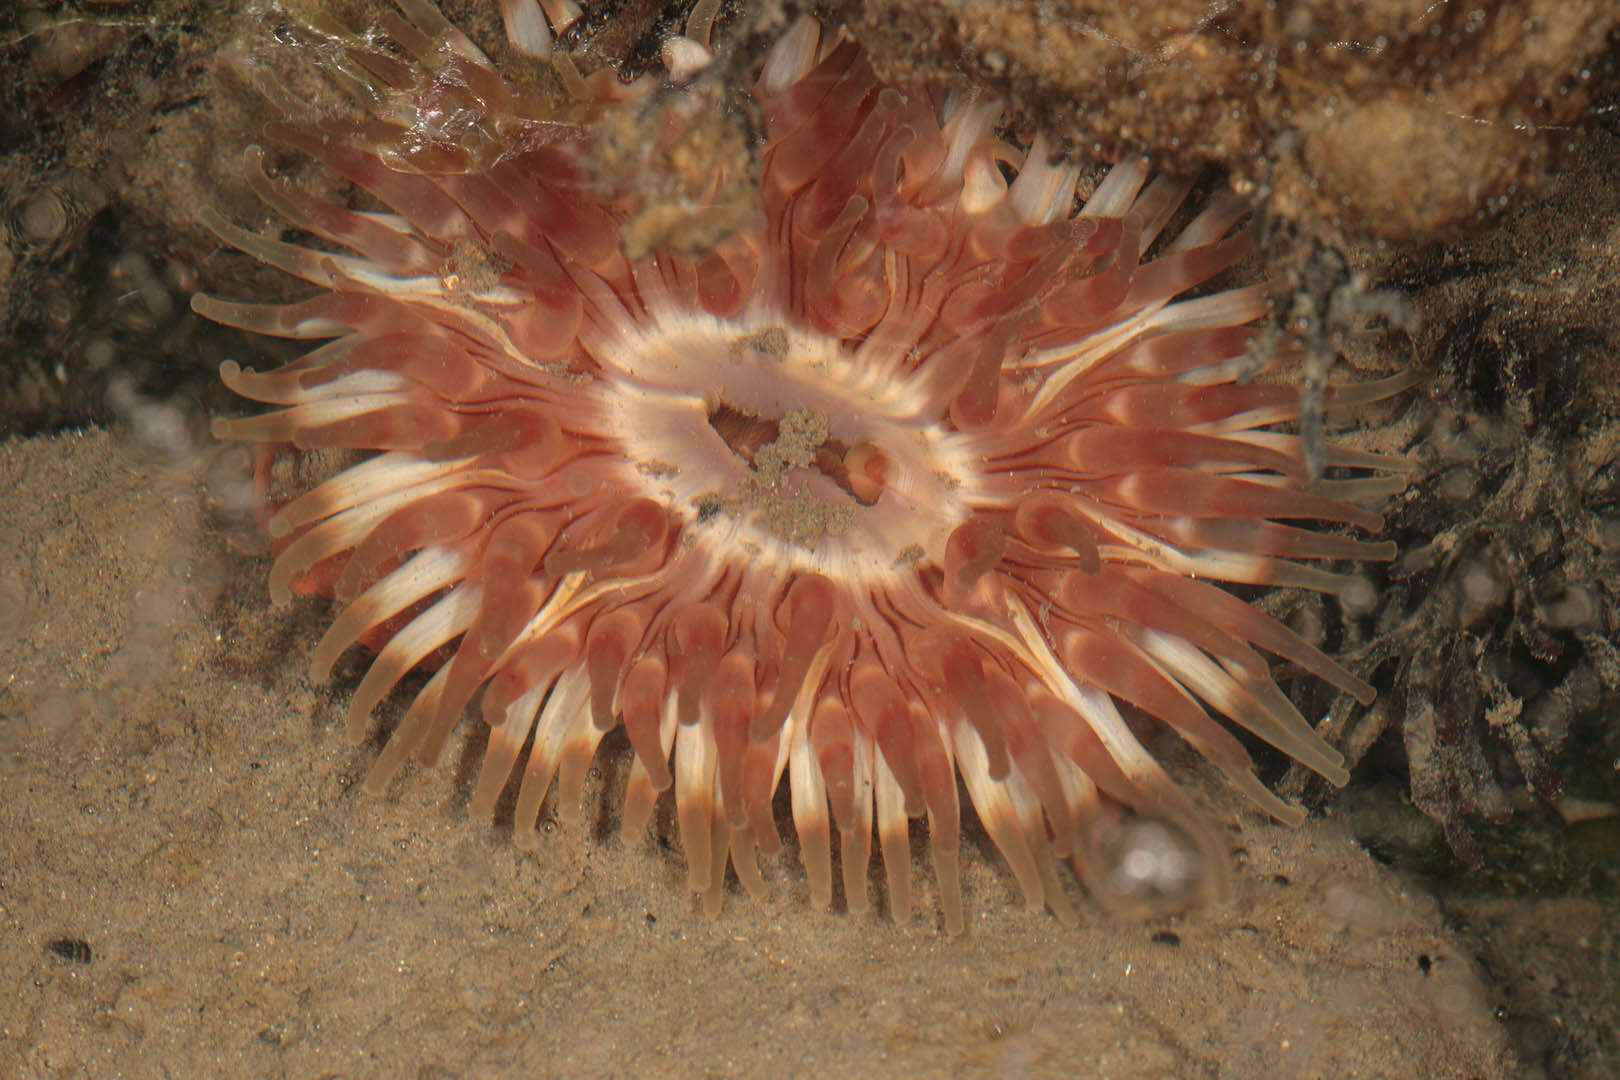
(918, 475)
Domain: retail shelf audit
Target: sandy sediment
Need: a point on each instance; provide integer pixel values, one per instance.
(183, 804)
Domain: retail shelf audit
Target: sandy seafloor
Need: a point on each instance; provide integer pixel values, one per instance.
(179, 798)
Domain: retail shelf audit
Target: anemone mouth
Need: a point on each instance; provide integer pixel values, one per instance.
(775, 441)
(917, 478)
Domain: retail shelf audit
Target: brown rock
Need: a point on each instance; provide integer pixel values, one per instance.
(1386, 118)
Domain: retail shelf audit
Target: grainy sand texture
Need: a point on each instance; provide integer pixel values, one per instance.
(192, 883)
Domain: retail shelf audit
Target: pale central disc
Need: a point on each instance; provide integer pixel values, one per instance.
(740, 426)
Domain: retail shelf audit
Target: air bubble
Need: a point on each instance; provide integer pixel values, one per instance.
(1359, 907)
(1571, 609)
(1358, 596)
(1153, 861)
(229, 482)
(163, 429)
(1481, 586)
(43, 218)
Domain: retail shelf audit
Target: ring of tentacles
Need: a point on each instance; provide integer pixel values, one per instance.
(921, 474)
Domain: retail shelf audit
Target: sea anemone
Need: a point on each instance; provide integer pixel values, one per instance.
(918, 474)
